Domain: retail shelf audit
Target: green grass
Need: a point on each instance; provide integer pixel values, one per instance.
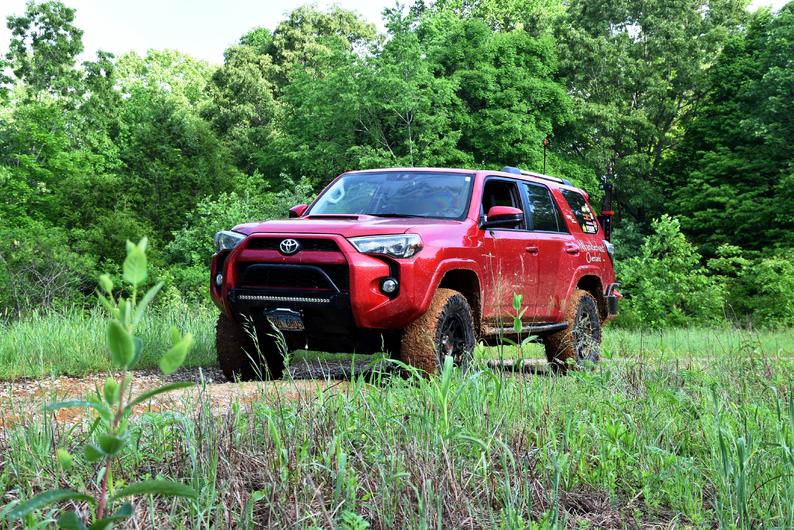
(74, 343)
(643, 440)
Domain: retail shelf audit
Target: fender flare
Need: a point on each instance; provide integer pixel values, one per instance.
(580, 272)
(444, 267)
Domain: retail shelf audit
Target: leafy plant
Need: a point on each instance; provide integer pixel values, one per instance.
(666, 285)
(113, 407)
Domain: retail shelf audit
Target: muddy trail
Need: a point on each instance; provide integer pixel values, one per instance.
(24, 399)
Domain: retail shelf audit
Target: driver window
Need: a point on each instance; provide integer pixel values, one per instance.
(501, 193)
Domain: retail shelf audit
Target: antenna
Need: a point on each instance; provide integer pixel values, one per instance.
(545, 145)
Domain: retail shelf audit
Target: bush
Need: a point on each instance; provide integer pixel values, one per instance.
(188, 255)
(759, 288)
(666, 285)
(39, 269)
(770, 284)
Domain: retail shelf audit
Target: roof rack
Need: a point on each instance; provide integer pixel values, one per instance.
(519, 171)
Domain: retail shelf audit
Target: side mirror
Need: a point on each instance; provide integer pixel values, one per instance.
(503, 217)
(297, 211)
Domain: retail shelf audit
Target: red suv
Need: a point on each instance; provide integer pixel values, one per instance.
(418, 263)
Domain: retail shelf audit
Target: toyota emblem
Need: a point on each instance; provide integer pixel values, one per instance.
(289, 246)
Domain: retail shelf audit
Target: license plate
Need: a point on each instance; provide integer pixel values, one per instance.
(285, 321)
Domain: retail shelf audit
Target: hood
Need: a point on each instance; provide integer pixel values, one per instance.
(343, 225)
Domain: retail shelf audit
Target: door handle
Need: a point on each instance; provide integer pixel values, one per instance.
(532, 249)
(572, 248)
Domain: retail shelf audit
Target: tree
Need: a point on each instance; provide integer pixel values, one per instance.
(309, 39)
(635, 70)
(534, 16)
(509, 100)
(732, 178)
(43, 47)
(243, 106)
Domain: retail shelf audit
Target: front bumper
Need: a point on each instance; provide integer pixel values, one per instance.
(355, 301)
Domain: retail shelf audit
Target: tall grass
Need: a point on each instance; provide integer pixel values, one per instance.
(632, 443)
(74, 342)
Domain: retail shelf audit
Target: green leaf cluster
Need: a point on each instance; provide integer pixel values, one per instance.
(113, 406)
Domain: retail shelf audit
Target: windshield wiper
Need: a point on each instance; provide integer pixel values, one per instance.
(407, 215)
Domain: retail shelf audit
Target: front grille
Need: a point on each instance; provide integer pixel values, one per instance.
(302, 278)
(307, 244)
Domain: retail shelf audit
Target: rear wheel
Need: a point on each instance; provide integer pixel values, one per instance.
(579, 344)
(447, 328)
(241, 357)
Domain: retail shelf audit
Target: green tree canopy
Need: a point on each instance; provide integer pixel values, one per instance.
(732, 177)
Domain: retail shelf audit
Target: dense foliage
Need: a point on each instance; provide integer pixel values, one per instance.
(686, 107)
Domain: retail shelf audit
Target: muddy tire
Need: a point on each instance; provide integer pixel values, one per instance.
(239, 357)
(579, 345)
(447, 328)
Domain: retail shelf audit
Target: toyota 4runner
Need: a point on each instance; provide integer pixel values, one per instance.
(418, 263)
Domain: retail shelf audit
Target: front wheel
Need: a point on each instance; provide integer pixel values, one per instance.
(243, 357)
(447, 328)
(579, 344)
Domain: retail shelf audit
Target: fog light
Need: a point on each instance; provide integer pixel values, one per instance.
(389, 286)
(219, 279)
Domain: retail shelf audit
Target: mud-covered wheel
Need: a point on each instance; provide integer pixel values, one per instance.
(239, 357)
(578, 345)
(447, 328)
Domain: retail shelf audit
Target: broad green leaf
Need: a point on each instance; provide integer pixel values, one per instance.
(125, 312)
(156, 487)
(124, 511)
(145, 301)
(154, 392)
(138, 343)
(122, 348)
(134, 267)
(106, 283)
(70, 521)
(111, 390)
(517, 301)
(93, 453)
(101, 408)
(111, 444)
(44, 499)
(174, 357)
(517, 325)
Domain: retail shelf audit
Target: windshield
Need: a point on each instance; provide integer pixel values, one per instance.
(398, 194)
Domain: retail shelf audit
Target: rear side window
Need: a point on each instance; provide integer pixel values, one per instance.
(584, 214)
(543, 212)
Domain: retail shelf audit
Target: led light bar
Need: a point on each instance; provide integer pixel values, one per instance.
(267, 298)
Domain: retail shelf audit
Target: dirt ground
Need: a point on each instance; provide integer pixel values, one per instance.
(25, 399)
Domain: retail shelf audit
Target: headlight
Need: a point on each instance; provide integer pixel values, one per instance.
(227, 240)
(397, 246)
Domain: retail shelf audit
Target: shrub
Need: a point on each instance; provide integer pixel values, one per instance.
(39, 269)
(759, 288)
(666, 285)
(189, 253)
(767, 286)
